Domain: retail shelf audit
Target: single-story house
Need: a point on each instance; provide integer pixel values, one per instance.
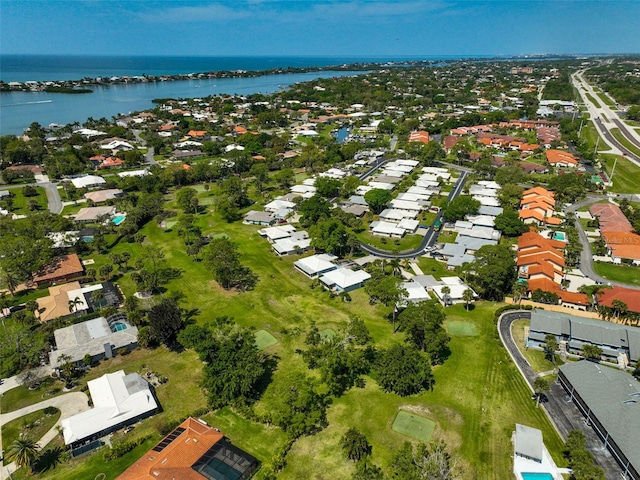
(295, 244)
(88, 181)
(386, 229)
(59, 269)
(344, 279)
(100, 196)
(276, 205)
(316, 265)
(255, 217)
(92, 214)
(456, 290)
(415, 292)
(277, 233)
(99, 337)
(118, 400)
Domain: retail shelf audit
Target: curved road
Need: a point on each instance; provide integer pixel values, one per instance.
(430, 238)
(563, 413)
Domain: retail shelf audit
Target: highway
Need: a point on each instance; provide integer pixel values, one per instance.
(604, 119)
(559, 408)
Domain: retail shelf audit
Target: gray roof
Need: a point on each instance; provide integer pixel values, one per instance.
(487, 210)
(614, 398)
(358, 200)
(89, 337)
(588, 330)
(426, 280)
(529, 442)
(550, 322)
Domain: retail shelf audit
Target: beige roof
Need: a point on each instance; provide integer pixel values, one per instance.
(103, 195)
(92, 213)
(56, 305)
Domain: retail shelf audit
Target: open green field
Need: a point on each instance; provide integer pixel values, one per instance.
(264, 339)
(461, 329)
(447, 236)
(431, 266)
(625, 141)
(33, 425)
(20, 205)
(414, 426)
(626, 177)
(408, 242)
(618, 273)
(478, 396)
(536, 358)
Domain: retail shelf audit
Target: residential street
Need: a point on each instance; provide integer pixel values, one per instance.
(559, 408)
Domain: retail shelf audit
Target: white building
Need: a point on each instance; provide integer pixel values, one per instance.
(118, 400)
(88, 181)
(316, 265)
(344, 279)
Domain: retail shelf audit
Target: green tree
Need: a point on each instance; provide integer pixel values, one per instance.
(165, 321)
(327, 187)
(73, 304)
(377, 199)
(222, 258)
(187, 199)
(540, 385)
(468, 297)
(509, 223)
(591, 352)
(24, 451)
(460, 207)
(313, 209)
(105, 270)
(510, 195)
(427, 462)
(329, 235)
(494, 271)
(388, 290)
(355, 445)
(284, 178)
(260, 174)
(423, 324)
(550, 347)
(403, 370)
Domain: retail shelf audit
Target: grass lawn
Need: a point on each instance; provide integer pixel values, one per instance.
(536, 358)
(431, 266)
(447, 236)
(264, 339)
(461, 329)
(626, 178)
(414, 426)
(20, 202)
(624, 141)
(618, 273)
(21, 396)
(408, 242)
(34, 425)
(478, 396)
(328, 333)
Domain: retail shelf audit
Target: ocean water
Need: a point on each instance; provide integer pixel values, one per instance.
(19, 109)
(23, 68)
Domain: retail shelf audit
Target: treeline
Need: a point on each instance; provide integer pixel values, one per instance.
(559, 88)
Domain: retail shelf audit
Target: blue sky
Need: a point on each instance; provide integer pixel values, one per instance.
(416, 28)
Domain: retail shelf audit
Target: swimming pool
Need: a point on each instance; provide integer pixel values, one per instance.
(118, 219)
(118, 326)
(87, 238)
(537, 476)
(559, 236)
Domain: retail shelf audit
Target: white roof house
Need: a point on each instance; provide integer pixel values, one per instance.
(434, 170)
(410, 163)
(118, 400)
(405, 205)
(344, 279)
(277, 233)
(316, 265)
(387, 229)
(413, 197)
(134, 173)
(416, 189)
(456, 287)
(398, 167)
(382, 185)
(415, 292)
(427, 183)
(298, 242)
(487, 201)
(395, 215)
(88, 181)
(276, 205)
(303, 189)
(528, 443)
(410, 226)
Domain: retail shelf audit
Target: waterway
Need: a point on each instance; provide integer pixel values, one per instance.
(19, 109)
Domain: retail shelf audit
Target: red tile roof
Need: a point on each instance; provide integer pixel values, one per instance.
(626, 295)
(419, 136)
(60, 268)
(559, 156)
(176, 459)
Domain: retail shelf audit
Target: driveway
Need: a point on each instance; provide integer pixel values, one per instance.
(562, 412)
(69, 404)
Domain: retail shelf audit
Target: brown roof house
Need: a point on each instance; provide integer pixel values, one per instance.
(60, 269)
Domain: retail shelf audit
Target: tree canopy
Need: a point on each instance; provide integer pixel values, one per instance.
(460, 207)
(423, 324)
(377, 198)
(403, 370)
(494, 271)
(222, 258)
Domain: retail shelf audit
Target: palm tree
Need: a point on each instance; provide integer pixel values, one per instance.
(468, 296)
(519, 290)
(445, 293)
(73, 304)
(9, 280)
(24, 451)
(619, 308)
(97, 297)
(540, 385)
